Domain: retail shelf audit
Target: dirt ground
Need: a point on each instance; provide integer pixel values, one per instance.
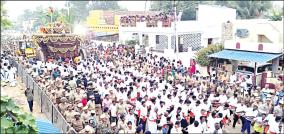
(17, 94)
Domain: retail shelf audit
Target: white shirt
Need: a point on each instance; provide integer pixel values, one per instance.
(176, 130)
(232, 101)
(192, 129)
(113, 110)
(233, 78)
(274, 127)
(131, 118)
(240, 108)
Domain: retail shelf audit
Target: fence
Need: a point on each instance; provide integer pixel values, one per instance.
(46, 105)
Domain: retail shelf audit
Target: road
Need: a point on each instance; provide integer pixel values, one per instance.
(18, 95)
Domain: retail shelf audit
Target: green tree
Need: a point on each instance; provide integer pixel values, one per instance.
(5, 22)
(13, 120)
(187, 7)
(276, 14)
(248, 9)
(78, 10)
(202, 55)
(104, 5)
(245, 9)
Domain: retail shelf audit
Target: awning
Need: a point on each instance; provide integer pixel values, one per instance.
(245, 56)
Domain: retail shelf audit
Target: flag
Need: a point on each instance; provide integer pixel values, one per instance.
(51, 10)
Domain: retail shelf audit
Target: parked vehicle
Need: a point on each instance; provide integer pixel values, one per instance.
(249, 70)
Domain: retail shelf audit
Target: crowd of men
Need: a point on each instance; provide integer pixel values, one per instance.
(115, 90)
(151, 21)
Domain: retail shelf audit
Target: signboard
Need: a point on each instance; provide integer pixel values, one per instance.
(242, 33)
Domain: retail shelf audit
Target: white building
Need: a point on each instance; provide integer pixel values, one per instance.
(192, 35)
(256, 42)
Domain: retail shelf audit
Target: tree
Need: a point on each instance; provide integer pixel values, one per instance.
(104, 5)
(276, 14)
(79, 10)
(187, 7)
(248, 9)
(202, 55)
(5, 22)
(13, 120)
(245, 9)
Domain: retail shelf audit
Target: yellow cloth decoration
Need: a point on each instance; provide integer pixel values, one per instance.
(61, 50)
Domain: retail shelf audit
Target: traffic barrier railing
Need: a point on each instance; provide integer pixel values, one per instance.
(47, 107)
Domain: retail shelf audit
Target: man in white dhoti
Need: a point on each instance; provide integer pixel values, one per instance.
(11, 77)
(152, 124)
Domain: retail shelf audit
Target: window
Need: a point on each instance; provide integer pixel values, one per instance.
(210, 41)
(180, 40)
(260, 47)
(263, 68)
(246, 69)
(238, 45)
(157, 39)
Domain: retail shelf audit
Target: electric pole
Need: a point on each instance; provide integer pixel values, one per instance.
(175, 28)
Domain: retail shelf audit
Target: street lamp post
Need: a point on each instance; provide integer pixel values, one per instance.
(68, 12)
(175, 28)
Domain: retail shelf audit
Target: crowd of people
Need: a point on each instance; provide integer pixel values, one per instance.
(115, 90)
(151, 21)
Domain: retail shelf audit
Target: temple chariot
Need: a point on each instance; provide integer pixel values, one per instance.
(56, 41)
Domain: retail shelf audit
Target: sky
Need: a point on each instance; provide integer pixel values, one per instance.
(15, 8)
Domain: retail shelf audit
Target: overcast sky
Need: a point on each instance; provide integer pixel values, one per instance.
(15, 8)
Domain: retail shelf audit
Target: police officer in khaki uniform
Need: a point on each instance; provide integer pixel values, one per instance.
(53, 97)
(87, 130)
(63, 105)
(91, 103)
(69, 114)
(78, 123)
(85, 114)
(113, 128)
(102, 127)
(58, 93)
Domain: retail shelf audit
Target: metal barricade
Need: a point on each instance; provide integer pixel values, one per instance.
(37, 93)
(25, 78)
(46, 106)
(59, 121)
(20, 71)
(30, 82)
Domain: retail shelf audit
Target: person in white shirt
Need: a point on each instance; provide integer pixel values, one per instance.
(176, 129)
(244, 87)
(11, 77)
(274, 125)
(233, 78)
(131, 117)
(113, 112)
(217, 129)
(240, 110)
(249, 84)
(152, 124)
(195, 128)
(250, 114)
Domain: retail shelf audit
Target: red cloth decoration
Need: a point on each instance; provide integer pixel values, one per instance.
(191, 114)
(84, 101)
